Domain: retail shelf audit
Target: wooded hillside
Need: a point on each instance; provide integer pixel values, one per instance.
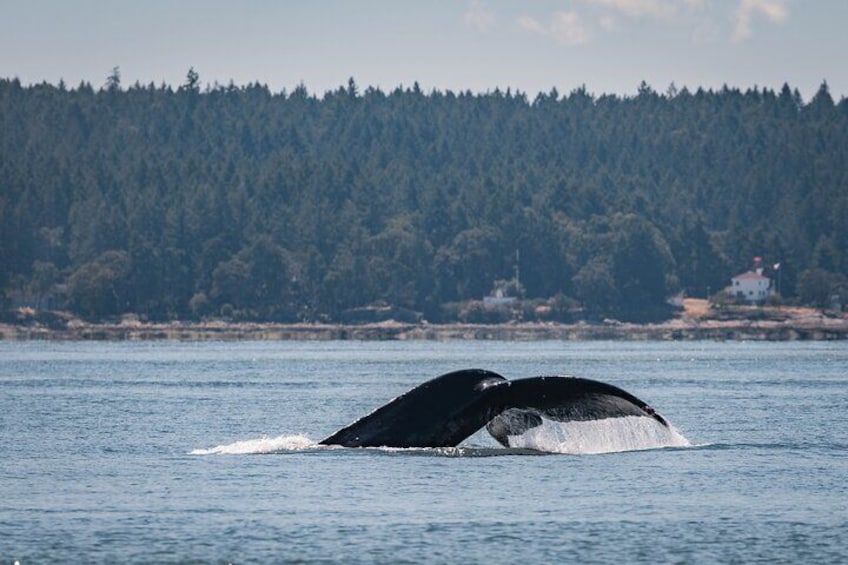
(240, 202)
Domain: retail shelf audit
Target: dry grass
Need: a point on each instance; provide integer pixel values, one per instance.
(696, 308)
(699, 309)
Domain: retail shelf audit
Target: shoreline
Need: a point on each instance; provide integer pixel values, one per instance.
(811, 328)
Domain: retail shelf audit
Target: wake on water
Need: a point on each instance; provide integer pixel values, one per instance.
(260, 445)
(630, 433)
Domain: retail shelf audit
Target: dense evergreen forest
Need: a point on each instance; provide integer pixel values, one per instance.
(237, 202)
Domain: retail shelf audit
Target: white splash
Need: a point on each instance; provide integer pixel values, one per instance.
(260, 445)
(630, 433)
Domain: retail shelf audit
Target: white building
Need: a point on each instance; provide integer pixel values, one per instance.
(750, 286)
(498, 299)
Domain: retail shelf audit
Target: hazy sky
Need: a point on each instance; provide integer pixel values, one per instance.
(478, 45)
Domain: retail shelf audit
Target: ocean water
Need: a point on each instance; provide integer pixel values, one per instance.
(169, 452)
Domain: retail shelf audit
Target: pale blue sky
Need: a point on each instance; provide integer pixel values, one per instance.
(478, 45)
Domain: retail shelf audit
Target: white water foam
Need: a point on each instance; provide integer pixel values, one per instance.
(630, 433)
(260, 445)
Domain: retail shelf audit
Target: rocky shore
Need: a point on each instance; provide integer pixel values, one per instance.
(789, 325)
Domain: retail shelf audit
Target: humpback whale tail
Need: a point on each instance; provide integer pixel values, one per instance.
(444, 411)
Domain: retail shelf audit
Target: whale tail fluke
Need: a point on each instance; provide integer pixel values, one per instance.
(444, 411)
(439, 413)
(525, 403)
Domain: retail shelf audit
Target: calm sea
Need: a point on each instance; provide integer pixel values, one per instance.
(171, 452)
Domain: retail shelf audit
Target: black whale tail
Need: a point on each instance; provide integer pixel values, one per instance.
(444, 411)
(526, 402)
(439, 413)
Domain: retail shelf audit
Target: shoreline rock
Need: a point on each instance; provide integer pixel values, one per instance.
(819, 328)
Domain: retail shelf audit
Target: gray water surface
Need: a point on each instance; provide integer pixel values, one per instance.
(100, 456)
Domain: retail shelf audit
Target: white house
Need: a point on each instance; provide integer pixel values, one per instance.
(751, 286)
(497, 299)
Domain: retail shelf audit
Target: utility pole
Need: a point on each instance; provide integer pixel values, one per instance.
(517, 273)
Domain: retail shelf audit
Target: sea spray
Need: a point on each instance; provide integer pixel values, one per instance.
(260, 445)
(630, 433)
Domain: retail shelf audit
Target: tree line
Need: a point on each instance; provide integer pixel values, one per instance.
(235, 201)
